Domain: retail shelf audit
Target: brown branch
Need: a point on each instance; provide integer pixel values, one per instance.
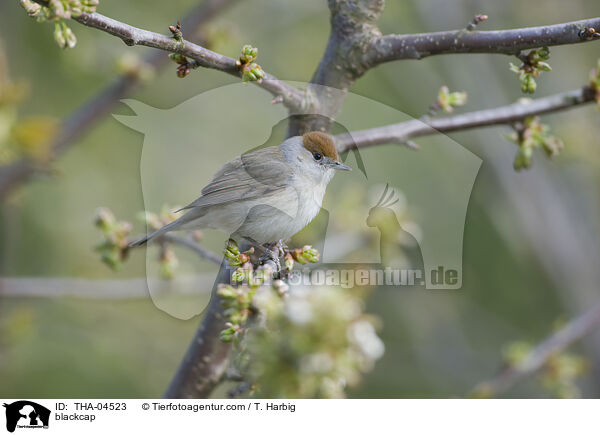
(535, 360)
(206, 359)
(91, 112)
(511, 42)
(353, 30)
(402, 132)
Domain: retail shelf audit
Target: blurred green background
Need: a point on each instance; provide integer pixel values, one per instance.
(531, 245)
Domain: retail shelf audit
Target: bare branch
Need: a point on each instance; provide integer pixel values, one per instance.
(535, 360)
(99, 289)
(511, 42)
(402, 132)
(193, 246)
(130, 35)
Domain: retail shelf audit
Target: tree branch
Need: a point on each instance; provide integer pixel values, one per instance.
(130, 35)
(402, 132)
(535, 360)
(87, 116)
(511, 42)
(192, 246)
(206, 359)
(353, 30)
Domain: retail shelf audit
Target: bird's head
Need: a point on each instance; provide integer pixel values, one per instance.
(314, 154)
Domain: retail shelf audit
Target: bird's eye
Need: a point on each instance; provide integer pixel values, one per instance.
(317, 156)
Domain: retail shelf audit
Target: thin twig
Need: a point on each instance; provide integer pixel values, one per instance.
(402, 132)
(535, 360)
(131, 35)
(98, 289)
(202, 252)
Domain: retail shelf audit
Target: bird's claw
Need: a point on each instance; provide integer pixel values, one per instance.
(272, 253)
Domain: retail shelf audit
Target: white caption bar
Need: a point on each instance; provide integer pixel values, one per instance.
(464, 417)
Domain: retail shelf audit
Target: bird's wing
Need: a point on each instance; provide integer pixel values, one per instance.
(250, 176)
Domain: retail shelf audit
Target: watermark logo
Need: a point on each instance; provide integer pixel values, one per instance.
(400, 213)
(25, 414)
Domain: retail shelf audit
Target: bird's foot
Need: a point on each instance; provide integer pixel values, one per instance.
(282, 248)
(271, 254)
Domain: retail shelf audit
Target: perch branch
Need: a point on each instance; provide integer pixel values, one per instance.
(402, 132)
(511, 42)
(206, 359)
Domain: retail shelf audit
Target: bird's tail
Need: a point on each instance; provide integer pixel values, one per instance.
(169, 227)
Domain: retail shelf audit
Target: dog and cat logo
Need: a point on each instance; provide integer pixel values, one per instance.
(25, 414)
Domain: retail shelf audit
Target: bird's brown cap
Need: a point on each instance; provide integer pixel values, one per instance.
(322, 143)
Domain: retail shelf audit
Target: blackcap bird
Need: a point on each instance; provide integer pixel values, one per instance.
(265, 196)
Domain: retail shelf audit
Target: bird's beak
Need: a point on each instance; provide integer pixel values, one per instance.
(340, 166)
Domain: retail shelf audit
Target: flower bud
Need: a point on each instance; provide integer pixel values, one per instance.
(310, 254)
(280, 286)
(239, 275)
(59, 37)
(249, 54)
(252, 72)
(289, 261)
(523, 158)
(33, 9)
(543, 53)
(178, 58)
(70, 38)
(227, 335)
(226, 291)
(104, 219)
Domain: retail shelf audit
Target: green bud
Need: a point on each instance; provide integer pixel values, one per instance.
(289, 261)
(552, 146)
(514, 68)
(232, 247)
(33, 9)
(528, 84)
(168, 264)
(544, 53)
(240, 274)
(226, 292)
(59, 37)
(310, 254)
(104, 219)
(89, 6)
(297, 254)
(543, 66)
(178, 58)
(252, 72)
(249, 54)
(227, 335)
(58, 9)
(112, 258)
(70, 38)
(523, 158)
(234, 262)
(457, 98)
